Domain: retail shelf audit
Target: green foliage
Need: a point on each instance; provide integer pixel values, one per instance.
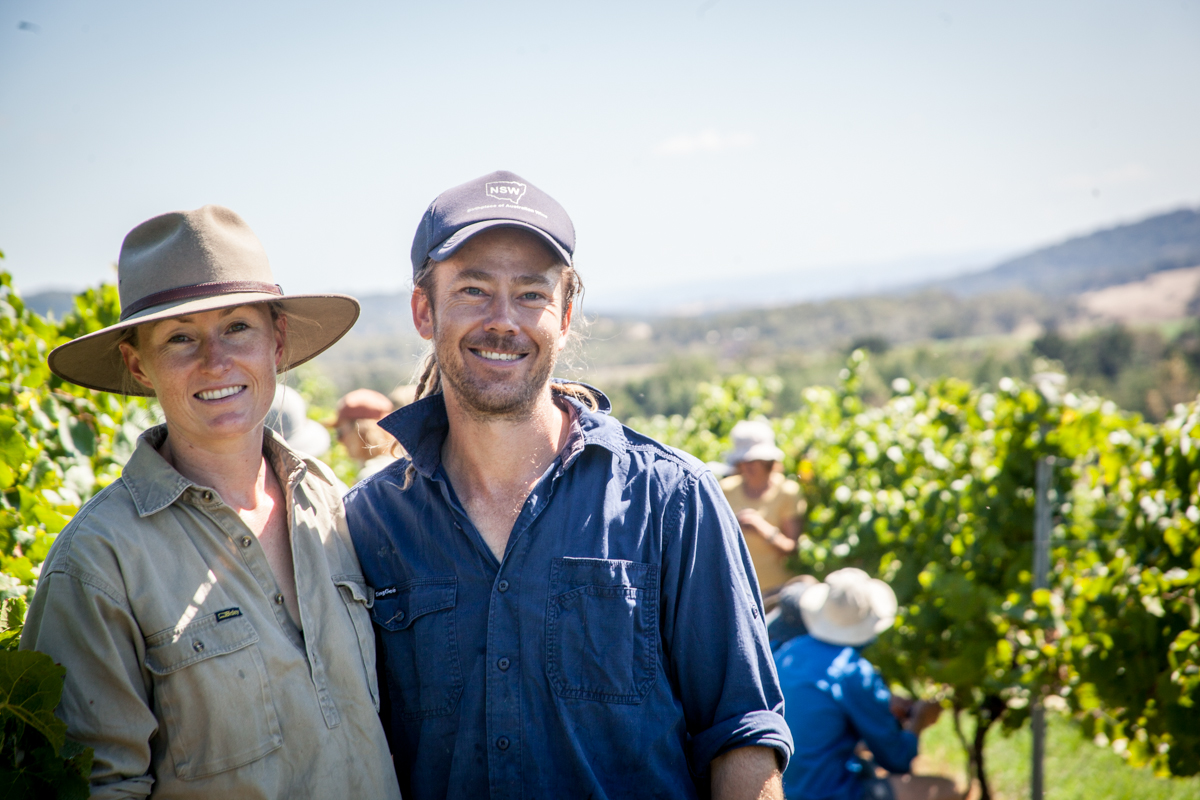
(933, 491)
(59, 443)
(36, 758)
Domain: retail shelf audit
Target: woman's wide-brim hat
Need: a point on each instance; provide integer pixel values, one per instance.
(188, 262)
(849, 608)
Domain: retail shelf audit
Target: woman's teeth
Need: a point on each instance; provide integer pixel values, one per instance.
(491, 356)
(217, 394)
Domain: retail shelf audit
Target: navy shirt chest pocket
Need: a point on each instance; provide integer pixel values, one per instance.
(417, 619)
(602, 629)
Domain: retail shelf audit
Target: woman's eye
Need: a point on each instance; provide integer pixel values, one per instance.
(238, 326)
(179, 337)
(531, 296)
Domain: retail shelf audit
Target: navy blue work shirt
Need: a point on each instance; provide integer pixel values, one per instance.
(836, 699)
(615, 650)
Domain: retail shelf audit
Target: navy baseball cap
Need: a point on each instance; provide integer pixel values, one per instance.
(499, 199)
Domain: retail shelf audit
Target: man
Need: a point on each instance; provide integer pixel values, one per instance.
(769, 507)
(357, 428)
(563, 606)
(837, 701)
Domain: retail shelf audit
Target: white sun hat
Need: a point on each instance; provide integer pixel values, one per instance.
(289, 418)
(753, 440)
(849, 608)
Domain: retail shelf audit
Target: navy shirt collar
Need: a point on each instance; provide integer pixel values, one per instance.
(421, 428)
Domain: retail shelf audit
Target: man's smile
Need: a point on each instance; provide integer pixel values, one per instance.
(492, 355)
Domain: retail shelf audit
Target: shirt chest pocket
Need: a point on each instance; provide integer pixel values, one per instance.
(602, 629)
(417, 619)
(212, 695)
(358, 600)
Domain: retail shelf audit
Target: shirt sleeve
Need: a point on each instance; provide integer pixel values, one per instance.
(78, 620)
(866, 699)
(715, 640)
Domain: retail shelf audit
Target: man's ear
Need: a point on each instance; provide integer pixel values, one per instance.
(422, 313)
(135, 364)
(566, 326)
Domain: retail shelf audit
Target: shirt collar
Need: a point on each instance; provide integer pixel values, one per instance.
(155, 484)
(421, 429)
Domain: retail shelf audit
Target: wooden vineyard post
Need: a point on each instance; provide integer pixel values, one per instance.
(1041, 580)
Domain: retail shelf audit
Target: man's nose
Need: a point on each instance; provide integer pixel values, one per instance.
(501, 316)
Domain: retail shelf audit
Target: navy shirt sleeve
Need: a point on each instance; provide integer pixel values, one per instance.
(866, 699)
(713, 630)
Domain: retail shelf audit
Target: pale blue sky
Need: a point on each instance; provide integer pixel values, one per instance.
(688, 140)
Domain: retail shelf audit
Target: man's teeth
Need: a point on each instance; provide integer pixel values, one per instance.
(491, 356)
(217, 394)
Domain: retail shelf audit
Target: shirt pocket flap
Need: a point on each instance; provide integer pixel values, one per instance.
(358, 589)
(172, 650)
(397, 607)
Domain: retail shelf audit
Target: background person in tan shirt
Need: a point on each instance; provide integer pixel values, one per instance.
(769, 507)
(208, 605)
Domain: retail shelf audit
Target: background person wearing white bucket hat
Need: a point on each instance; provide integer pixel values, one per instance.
(835, 700)
(769, 507)
(208, 605)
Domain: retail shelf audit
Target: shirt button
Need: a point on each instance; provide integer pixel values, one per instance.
(207, 497)
(279, 599)
(198, 645)
(502, 743)
(503, 664)
(502, 586)
(247, 541)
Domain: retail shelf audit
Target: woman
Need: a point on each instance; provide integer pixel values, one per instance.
(769, 507)
(208, 606)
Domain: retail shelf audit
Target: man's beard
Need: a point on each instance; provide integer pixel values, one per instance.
(493, 399)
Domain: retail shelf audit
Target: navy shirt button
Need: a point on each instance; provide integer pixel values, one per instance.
(502, 743)
(502, 586)
(503, 664)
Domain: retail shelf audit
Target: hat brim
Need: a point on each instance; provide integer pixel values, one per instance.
(882, 616)
(460, 237)
(315, 323)
(759, 452)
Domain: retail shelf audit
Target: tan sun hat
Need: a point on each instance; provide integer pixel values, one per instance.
(849, 608)
(186, 262)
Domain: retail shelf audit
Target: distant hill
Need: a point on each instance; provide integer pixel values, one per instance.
(56, 302)
(1108, 257)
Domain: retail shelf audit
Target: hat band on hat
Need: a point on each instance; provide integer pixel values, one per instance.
(199, 290)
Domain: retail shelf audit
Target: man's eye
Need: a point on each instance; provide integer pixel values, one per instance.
(179, 337)
(473, 290)
(531, 296)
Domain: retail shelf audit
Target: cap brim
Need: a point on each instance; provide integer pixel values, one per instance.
(315, 323)
(448, 247)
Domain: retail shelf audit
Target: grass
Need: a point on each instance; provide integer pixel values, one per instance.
(1076, 769)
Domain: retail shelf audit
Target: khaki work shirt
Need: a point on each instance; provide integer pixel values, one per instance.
(779, 503)
(184, 670)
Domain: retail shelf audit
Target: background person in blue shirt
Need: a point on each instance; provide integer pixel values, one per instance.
(836, 700)
(564, 608)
